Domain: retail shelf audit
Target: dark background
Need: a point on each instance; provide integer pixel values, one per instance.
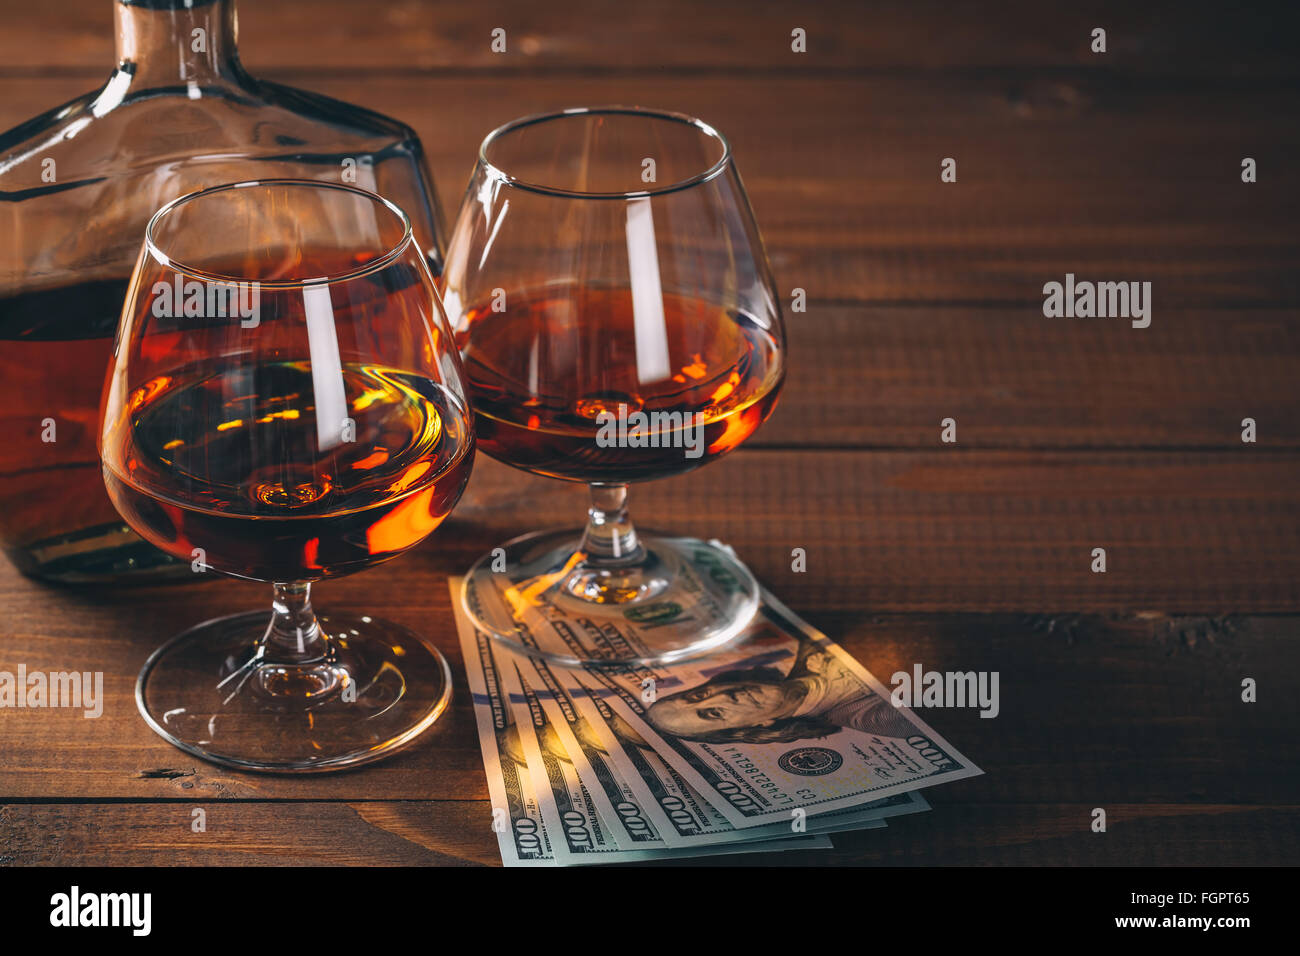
(1119, 690)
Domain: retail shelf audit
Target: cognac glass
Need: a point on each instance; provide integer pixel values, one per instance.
(285, 404)
(617, 321)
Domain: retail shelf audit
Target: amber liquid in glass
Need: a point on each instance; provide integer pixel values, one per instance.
(542, 371)
(243, 465)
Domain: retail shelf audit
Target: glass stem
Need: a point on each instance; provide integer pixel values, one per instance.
(294, 635)
(610, 540)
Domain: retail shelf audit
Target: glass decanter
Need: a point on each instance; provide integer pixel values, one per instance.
(77, 186)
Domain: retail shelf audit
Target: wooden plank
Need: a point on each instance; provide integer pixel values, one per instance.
(248, 834)
(1195, 38)
(1093, 710)
(886, 377)
(445, 833)
(1108, 180)
(947, 530)
(981, 834)
(959, 530)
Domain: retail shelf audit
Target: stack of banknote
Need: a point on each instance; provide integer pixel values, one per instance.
(772, 743)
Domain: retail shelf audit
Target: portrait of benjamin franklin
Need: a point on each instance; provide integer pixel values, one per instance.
(817, 697)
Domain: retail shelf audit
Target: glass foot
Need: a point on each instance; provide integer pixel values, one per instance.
(673, 599)
(223, 692)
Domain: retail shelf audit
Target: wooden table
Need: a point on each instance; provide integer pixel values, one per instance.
(1119, 690)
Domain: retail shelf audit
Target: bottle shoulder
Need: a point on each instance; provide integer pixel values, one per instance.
(79, 182)
(114, 130)
(327, 109)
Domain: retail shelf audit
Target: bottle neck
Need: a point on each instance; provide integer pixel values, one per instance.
(176, 42)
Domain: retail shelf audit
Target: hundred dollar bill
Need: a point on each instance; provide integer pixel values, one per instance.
(783, 720)
(516, 812)
(650, 794)
(531, 828)
(634, 788)
(563, 735)
(578, 830)
(588, 832)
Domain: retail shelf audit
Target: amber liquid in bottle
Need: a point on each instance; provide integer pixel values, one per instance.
(551, 375)
(54, 347)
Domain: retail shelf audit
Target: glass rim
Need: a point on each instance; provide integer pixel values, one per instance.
(385, 259)
(499, 174)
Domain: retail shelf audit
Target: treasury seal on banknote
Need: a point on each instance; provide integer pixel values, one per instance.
(810, 761)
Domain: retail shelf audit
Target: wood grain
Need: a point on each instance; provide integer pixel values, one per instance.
(952, 530)
(453, 833)
(1145, 715)
(248, 834)
(885, 377)
(1107, 178)
(1196, 38)
(1140, 707)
